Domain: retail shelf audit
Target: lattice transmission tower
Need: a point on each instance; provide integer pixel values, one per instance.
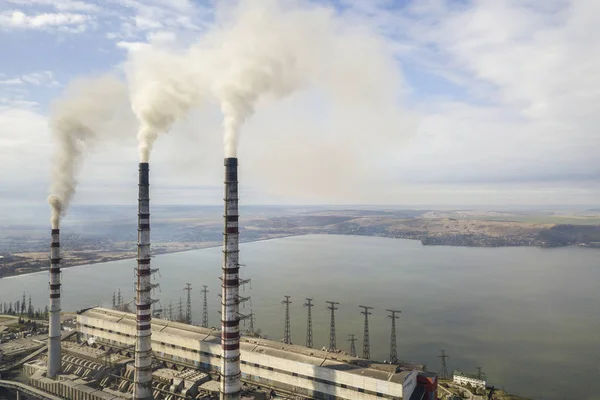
(332, 307)
(393, 349)
(366, 345)
(309, 330)
(287, 336)
(251, 318)
(444, 369)
(205, 307)
(352, 340)
(180, 317)
(188, 309)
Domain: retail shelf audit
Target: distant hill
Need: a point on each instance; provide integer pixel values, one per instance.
(565, 235)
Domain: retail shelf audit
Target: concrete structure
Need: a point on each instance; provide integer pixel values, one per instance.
(429, 382)
(230, 284)
(463, 378)
(143, 346)
(285, 368)
(54, 330)
(101, 372)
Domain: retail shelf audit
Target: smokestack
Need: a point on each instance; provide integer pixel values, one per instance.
(230, 324)
(54, 329)
(143, 347)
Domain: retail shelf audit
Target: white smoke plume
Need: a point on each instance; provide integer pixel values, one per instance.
(272, 48)
(255, 51)
(78, 118)
(162, 90)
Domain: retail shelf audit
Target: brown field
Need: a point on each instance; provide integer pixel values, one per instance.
(454, 226)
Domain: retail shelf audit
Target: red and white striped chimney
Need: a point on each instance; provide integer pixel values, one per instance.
(231, 385)
(143, 346)
(54, 331)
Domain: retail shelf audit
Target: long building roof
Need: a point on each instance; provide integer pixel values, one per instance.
(331, 360)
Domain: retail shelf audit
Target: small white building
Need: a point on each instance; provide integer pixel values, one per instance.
(463, 378)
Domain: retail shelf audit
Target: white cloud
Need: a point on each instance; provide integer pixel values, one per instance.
(37, 78)
(25, 143)
(42, 78)
(12, 81)
(162, 37)
(528, 75)
(130, 46)
(61, 5)
(140, 18)
(144, 23)
(20, 20)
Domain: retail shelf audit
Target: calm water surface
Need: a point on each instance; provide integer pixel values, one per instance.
(528, 316)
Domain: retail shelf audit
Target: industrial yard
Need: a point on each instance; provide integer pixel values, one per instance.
(411, 187)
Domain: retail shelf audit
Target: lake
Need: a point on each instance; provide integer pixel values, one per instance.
(528, 316)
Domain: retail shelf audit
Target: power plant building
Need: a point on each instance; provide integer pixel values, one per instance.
(286, 368)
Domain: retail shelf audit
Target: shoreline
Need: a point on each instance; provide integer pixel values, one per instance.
(95, 262)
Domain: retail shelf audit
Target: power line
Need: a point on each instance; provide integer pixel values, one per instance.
(251, 327)
(205, 307)
(287, 337)
(332, 307)
(366, 344)
(180, 316)
(352, 339)
(188, 310)
(309, 330)
(393, 349)
(444, 370)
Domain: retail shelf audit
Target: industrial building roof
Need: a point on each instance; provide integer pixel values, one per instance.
(331, 360)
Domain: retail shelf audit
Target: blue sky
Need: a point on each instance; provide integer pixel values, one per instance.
(498, 102)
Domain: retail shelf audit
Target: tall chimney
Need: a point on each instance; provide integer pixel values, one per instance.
(230, 324)
(54, 329)
(143, 347)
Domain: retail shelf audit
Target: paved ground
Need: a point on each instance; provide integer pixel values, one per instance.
(22, 345)
(8, 320)
(30, 390)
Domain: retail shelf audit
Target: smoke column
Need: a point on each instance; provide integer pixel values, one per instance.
(78, 119)
(162, 89)
(267, 50)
